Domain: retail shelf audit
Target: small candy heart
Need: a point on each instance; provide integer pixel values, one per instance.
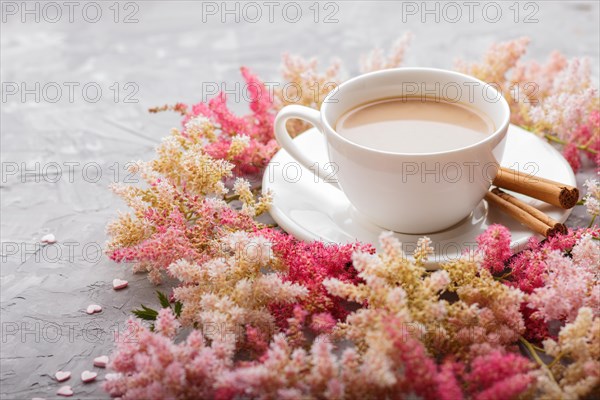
(88, 376)
(66, 391)
(49, 238)
(93, 308)
(119, 284)
(37, 398)
(62, 375)
(101, 361)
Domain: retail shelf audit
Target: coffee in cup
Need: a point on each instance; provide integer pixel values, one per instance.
(413, 149)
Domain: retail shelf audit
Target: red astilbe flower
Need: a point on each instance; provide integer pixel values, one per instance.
(257, 127)
(494, 247)
(499, 375)
(309, 264)
(420, 372)
(170, 242)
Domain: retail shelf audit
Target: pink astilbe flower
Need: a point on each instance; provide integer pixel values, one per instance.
(494, 248)
(562, 113)
(571, 154)
(449, 386)
(499, 375)
(531, 269)
(568, 287)
(270, 316)
(420, 370)
(555, 100)
(323, 323)
(168, 244)
(166, 323)
(256, 340)
(151, 366)
(261, 105)
(587, 135)
(257, 127)
(542, 75)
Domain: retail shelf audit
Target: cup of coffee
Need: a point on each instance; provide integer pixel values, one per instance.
(413, 149)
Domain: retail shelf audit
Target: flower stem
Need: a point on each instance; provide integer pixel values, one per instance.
(538, 360)
(592, 221)
(555, 139)
(503, 277)
(231, 198)
(556, 359)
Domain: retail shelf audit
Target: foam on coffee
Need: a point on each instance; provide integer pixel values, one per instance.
(414, 125)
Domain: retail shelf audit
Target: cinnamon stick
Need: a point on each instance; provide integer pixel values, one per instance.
(555, 193)
(546, 219)
(544, 225)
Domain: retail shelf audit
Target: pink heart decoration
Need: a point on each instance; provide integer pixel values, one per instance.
(49, 238)
(101, 361)
(119, 284)
(88, 376)
(93, 308)
(62, 375)
(66, 391)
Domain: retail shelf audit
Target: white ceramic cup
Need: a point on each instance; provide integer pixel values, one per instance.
(404, 192)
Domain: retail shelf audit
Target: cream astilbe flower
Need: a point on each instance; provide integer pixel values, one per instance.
(423, 250)
(579, 343)
(376, 60)
(305, 85)
(394, 287)
(199, 128)
(487, 314)
(238, 144)
(127, 231)
(497, 61)
(231, 290)
(182, 160)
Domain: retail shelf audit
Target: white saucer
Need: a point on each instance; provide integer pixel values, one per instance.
(311, 209)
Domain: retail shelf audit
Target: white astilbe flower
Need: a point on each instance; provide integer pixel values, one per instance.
(592, 198)
(438, 281)
(238, 144)
(200, 126)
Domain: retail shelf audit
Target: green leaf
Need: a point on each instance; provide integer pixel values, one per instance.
(164, 300)
(146, 313)
(178, 307)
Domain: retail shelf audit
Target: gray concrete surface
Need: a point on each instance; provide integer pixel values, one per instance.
(168, 55)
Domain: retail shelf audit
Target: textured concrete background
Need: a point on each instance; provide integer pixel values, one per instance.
(168, 55)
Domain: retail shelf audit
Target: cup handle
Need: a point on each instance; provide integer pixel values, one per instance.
(282, 135)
